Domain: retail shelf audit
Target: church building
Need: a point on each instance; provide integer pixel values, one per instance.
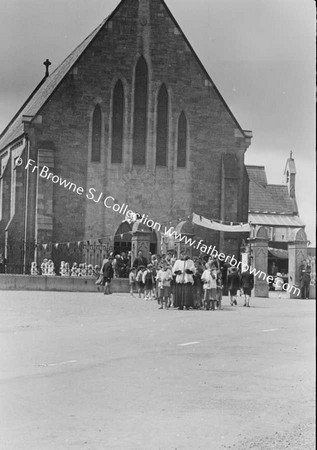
(129, 121)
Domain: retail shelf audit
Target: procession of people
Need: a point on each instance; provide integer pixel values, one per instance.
(180, 282)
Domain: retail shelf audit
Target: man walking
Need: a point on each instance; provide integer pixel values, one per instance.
(107, 275)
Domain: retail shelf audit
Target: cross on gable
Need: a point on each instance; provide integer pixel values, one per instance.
(47, 63)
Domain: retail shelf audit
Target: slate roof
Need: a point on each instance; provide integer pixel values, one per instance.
(257, 174)
(274, 220)
(44, 90)
(268, 198)
(47, 86)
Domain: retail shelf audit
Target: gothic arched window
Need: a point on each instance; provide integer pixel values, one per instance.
(162, 127)
(117, 123)
(182, 141)
(140, 112)
(96, 135)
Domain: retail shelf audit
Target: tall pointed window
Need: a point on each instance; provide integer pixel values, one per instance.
(140, 112)
(96, 135)
(162, 127)
(117, 123)
(182, 141)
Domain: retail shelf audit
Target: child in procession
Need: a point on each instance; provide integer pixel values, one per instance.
(219, 289)
(247, 284)
(163, 278)
(233, 280)
(209, 278)
(132, 280)
(148, 279)
(139, 280)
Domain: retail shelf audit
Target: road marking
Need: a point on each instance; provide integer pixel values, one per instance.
(58, 364)
(271, 329)
(188, 343)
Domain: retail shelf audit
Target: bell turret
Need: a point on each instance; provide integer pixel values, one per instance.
(289, 174)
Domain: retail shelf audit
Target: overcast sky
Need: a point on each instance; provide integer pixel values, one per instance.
(259, 53)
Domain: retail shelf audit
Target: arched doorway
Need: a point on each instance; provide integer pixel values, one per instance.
(122, 239)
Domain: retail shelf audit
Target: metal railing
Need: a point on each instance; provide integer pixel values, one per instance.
(19, 255)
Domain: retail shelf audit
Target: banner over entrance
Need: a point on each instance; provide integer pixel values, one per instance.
(203, 222)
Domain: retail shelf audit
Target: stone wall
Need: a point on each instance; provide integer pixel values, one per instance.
(64, 284)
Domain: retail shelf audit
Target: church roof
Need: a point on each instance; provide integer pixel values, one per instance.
(42, 93)
(267, 198)
(276, 220)
(257, 174)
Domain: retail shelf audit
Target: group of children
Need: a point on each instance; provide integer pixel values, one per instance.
(158, 283)
(152, 284)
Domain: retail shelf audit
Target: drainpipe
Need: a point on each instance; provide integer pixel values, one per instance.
(26, 205)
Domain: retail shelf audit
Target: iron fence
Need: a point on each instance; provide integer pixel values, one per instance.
(81, 252)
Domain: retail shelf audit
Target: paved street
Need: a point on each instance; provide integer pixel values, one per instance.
(87, 371)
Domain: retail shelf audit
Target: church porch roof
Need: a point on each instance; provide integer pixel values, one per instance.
(275, 220)
(267, 198)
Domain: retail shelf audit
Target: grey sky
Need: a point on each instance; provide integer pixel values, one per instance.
(259, 53)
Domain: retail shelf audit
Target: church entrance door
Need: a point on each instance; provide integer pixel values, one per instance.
(122, 239)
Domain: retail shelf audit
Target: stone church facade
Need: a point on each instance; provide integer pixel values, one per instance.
(131, 114)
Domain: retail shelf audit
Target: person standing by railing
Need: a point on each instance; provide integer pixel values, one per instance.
(3, 263)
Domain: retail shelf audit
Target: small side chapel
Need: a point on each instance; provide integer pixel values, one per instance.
(278, 239)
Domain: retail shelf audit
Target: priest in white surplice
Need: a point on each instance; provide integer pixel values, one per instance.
(184, 269)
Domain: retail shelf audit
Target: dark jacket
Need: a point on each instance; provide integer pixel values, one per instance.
(108, 270)
(140, 261)
(247, 280)
(233, 280)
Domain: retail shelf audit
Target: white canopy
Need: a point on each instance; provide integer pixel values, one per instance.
(203, 222)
